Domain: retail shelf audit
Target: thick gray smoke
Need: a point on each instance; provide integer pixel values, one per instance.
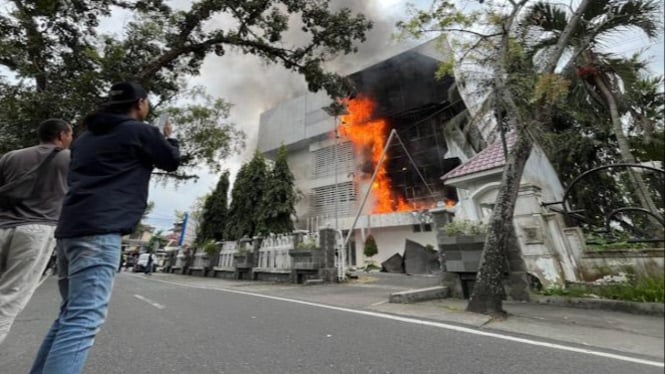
(253, 86)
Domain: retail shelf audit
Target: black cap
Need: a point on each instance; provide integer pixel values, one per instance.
(126, 92)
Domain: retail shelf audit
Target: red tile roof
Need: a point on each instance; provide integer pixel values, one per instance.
(489, 158)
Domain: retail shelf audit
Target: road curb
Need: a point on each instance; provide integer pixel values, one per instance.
(422, 294)
(654, 309)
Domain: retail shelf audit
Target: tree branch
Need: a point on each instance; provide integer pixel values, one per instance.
(193, 19)
(480, 35)
(154, 66)
(9, 63)
(176, 175)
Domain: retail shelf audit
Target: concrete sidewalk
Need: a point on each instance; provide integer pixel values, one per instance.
(624, 332)
(620, 332)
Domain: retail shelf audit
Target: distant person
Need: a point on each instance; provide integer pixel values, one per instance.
(148, 266)
(134, 260)
(27, 223)
(108, 190)
(122, 262)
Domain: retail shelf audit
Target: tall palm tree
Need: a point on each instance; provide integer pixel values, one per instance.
(604, 76)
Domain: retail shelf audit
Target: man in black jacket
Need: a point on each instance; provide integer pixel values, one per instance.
(108, 190)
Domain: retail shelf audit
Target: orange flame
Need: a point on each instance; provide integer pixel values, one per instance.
(368, 136)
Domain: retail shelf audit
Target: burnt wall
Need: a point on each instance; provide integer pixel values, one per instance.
(402, 83)
(416, 105)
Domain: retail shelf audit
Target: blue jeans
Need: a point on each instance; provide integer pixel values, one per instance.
(86, 270)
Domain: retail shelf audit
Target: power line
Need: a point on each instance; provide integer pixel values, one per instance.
(159, 219)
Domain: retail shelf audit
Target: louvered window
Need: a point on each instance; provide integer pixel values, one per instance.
(324, 160)
(323, 200)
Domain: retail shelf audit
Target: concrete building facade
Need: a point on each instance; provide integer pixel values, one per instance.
(331, 173)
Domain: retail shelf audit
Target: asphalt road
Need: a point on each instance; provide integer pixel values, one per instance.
(155, 327)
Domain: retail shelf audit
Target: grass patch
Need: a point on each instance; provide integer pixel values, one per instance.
(618, 241)
(371, 267)
(651, 290)
(629, 246)
(642, 289)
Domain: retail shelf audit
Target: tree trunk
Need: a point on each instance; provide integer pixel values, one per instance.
(488, 293)
(641, 188)
(35, 44)
(565, 37)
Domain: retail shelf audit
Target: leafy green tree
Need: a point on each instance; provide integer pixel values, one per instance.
(244, 217)
(524, 96)
(197, 207)
(646, 100)
(604, 77)
(156, 239)
(278, 209)
(215, 211)
(238, 222)
(583, 127)
(61, 65)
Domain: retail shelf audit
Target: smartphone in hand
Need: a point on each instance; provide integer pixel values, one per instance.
(161, 121)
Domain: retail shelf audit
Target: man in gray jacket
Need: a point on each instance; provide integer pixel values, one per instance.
(26, 228)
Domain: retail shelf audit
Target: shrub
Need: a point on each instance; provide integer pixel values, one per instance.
(464, 227)
(617, 241)
(370, 248)
(644, 288)
(307, 245)
(210, 247)
(370, 267)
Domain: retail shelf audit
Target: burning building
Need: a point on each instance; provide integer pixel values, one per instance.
(334, 156)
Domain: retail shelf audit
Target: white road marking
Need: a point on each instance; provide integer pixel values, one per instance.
(379, 303)
(440, 325)
(156, 305)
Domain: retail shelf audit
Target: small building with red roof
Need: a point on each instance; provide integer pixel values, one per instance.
(477, 180)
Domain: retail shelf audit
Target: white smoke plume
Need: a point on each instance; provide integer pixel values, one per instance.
(253, 86)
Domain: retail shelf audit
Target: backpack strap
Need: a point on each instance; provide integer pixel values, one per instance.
(16, 191)
(44, 164)
(38, 170)
(43, 168)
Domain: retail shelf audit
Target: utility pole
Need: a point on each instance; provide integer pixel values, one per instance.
(335, 110)
(335, 160)
(183, 230)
